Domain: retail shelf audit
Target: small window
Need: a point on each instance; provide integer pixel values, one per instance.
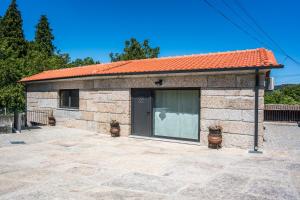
(69, 99)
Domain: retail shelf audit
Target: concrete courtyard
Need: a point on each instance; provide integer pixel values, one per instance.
(64, 163)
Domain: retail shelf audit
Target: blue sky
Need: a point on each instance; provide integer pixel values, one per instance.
(95, 28)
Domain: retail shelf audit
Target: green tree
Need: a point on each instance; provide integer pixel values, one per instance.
(10, 71)
(83, 62)
(292, 91)
(20, 58)
(38, 61)
(12, 97)
(135, 50)
(285, 95)
(11, 92)
(11, 33)
(44, 37)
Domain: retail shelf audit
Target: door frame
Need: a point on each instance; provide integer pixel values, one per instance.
(152, 98)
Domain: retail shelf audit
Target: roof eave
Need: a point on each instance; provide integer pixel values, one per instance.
(165, 72)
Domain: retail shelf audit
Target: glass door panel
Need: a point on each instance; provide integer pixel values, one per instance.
(176, 114)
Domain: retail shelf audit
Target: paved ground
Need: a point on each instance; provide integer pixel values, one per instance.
(60, 163)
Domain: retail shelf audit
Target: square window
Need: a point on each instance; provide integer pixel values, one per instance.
(69, 99)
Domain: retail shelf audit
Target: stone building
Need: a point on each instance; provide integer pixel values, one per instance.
(172, 97)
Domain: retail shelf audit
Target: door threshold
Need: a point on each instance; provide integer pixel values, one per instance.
(166, 140)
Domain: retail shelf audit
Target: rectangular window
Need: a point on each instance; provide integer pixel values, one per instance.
(69, 99)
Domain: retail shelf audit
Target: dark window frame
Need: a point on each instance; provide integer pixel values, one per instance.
(71, 98)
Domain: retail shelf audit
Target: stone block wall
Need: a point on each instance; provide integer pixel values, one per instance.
(226, 99)
(96, 109)
(234, 111)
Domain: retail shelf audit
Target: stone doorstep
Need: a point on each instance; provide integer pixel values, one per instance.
(166, 140)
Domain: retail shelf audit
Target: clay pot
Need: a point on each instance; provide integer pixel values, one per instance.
(115, 131)
(215, 138)
(51, 121)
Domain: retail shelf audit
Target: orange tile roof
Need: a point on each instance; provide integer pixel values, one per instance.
(243, 59)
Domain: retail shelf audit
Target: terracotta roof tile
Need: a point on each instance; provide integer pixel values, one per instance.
(223, 60)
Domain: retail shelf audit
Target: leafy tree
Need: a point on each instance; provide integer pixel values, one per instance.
(134, 50)
(12, 97)
(285, 95)
(58, 61)
(292, 91)
(11, 32)
(44, 37)
(38, 61)
(10, 71)
(11, 92)
(83, 62)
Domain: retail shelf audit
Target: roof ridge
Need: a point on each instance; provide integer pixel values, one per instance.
(200, 54)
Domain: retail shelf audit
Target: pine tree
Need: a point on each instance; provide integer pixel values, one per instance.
(11, 32)
(44, 36)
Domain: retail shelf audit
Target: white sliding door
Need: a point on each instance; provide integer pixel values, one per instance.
(176, 113)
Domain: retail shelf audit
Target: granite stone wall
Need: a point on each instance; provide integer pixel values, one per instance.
(226, 99)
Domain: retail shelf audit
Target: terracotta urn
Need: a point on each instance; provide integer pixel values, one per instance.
(114, 128)
(215, 137)
(51, 121)
(115, 131)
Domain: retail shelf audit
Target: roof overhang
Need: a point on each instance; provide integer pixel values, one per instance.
(228, 70)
